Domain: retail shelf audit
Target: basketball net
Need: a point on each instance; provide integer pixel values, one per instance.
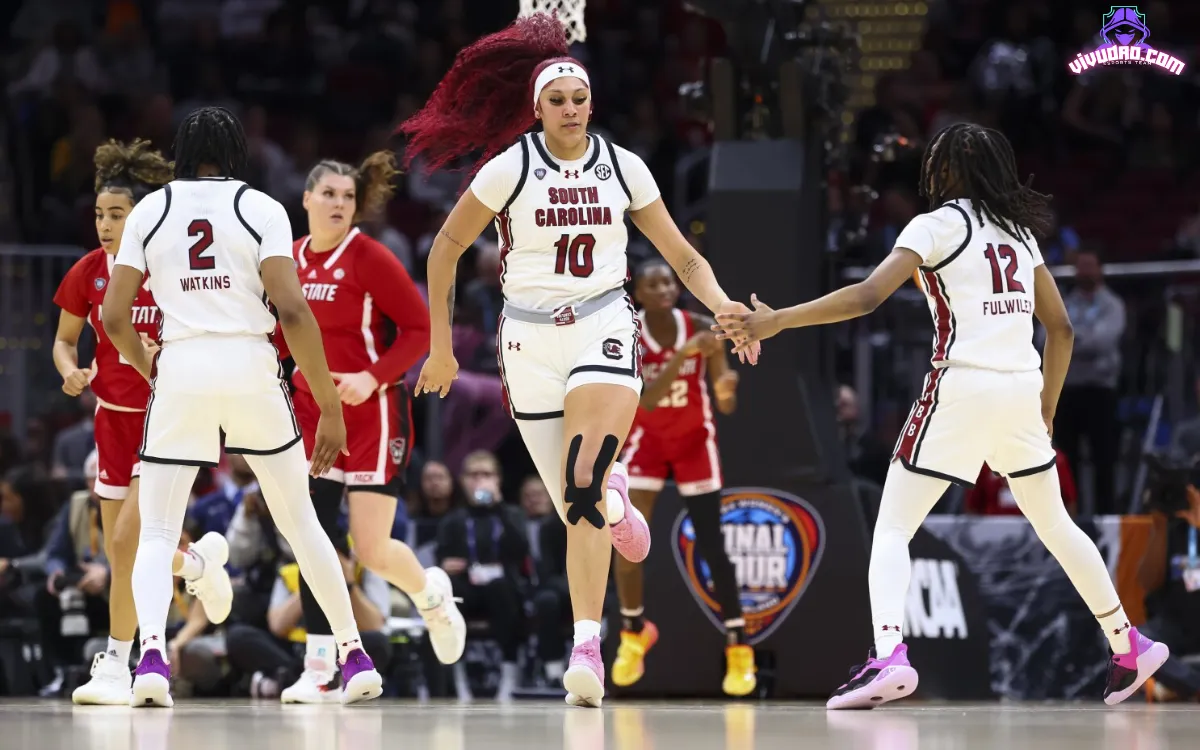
(570, 13)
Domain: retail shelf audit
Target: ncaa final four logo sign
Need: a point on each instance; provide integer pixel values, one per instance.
(775, 541)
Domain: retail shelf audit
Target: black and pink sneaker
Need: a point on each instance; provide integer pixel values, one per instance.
(360, 681)
(1127, 672)
(877, 682)
(151, 681)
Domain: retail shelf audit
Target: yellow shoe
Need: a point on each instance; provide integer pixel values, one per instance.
(630, 665)
(740, 672)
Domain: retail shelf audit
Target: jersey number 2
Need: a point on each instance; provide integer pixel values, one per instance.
(1006, 282)
(575, 254)
(197, 260)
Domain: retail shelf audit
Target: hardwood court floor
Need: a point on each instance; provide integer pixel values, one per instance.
(213, 725)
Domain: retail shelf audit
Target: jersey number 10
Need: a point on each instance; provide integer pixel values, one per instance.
(575, 254)
(1006, 282)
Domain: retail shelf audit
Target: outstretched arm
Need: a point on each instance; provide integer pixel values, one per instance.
(846, 303)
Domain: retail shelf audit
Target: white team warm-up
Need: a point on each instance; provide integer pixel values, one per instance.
(216, 251)
(986, 398)
(568, 334)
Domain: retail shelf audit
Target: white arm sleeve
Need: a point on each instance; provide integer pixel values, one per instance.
(276, 228)
(643, 190)
(133, 237)
(495, 182)
(934, 236)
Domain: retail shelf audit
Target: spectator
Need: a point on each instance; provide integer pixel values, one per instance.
(73, 445)
(72, 607)
(66, 55)
(1087, 409)
(1060, 244)
(483, 548)
(28, 505)
(214, 511)
(867, 457)
(256, 552)
(991, 496)
(477, 418)
(375, 223)
(437, 494)
(1188, 237)
(552, 598)
(483, 292)
(274, 655)
(539, 509)
(1170, 573)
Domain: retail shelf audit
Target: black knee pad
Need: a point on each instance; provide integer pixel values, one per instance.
(581, 501)
(326, 497)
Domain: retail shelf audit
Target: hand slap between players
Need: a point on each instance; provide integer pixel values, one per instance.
(746, 349)
(746, 329)
(437, 374)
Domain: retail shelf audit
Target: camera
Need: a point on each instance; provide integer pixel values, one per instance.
(484, 498)
(1167, 485)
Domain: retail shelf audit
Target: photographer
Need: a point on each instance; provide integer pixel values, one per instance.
(483, 548)
(1170, 571)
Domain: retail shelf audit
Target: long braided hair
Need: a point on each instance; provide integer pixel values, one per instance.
(212, 136)
(970, 161)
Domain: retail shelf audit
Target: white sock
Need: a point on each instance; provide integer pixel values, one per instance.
(586, 630)
(347, 640)
(1116, 629)
(320, 649)
(162, 503)
(616, 506)
(192, 566)
(1039, 497)
(119, 650)
(907, 499)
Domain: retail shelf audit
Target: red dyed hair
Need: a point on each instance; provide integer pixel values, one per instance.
(485, 99)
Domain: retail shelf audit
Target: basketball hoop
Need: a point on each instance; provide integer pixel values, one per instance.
(570, 13)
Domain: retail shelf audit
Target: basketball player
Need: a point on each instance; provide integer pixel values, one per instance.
(215, 251)
(674, 434)
(568, 335)
(985, 399)
(375, 327)
(124, 175)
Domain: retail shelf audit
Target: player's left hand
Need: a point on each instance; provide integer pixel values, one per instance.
(726, 386)
(746, 349)
(745, 329)
(356, 387)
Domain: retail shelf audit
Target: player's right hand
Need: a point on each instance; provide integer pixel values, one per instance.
(75, 381)
(330, 441)
(437, 374)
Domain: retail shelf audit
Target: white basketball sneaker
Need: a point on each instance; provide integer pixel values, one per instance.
(110, 684)
(318, 684)
(212, 587)
(447, 628)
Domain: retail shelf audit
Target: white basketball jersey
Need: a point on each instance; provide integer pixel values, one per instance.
(562, 224)
(201, 242)
(978, 280)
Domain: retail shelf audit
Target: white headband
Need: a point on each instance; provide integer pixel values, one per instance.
(558, 70)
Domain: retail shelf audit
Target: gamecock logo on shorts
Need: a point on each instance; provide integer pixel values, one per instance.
(396, 447)
(775, 541)
(612, 348)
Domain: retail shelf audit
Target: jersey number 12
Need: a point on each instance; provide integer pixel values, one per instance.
(575, 254)
(1006, 282)
(197, 260)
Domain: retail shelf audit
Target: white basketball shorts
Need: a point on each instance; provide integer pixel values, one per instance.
(213, 388)
(967, 416)
(541, 362)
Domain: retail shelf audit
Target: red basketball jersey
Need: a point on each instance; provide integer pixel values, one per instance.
(81, 292)
(686, 408)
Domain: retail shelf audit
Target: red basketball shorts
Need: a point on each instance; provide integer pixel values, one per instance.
(118, 439)
(692, 460)
(378, 436)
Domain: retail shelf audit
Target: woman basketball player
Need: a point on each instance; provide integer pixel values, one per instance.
(985, 399)
(674, 433)
(375, 327)
(568, 336)
(124, 175)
